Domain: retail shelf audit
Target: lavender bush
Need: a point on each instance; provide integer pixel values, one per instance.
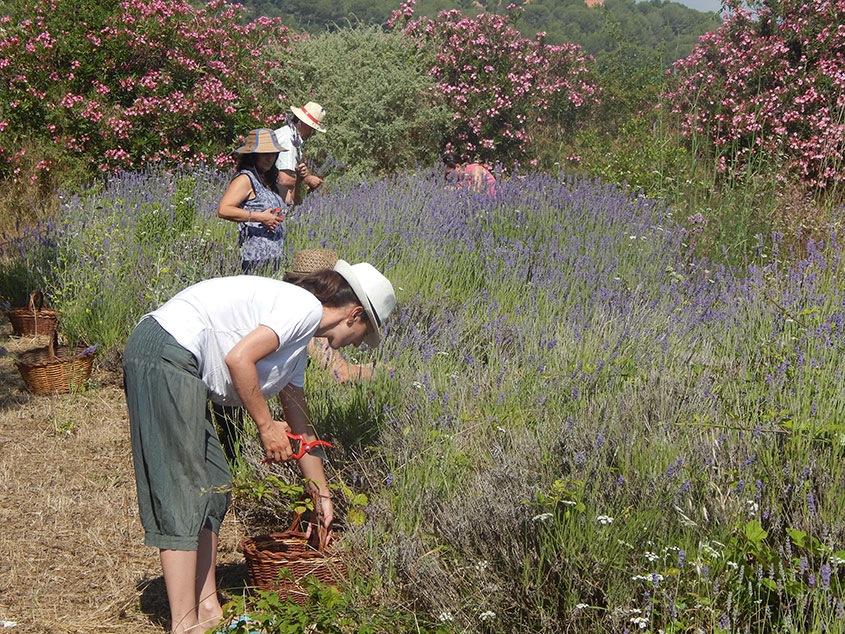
(588, 432)
(121, 249)
(582, 429)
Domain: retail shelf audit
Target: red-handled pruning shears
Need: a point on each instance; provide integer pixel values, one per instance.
(279, 213)
(304, 447)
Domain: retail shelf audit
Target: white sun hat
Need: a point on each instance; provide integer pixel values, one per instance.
(374, 291)
(311, 114)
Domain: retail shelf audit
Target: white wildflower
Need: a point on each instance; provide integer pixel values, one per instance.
(489, 615)
(732, 564)
(417, 384)
(651, 556)
(542, 517)
(652, 577)
(482, 565)
(569, 502)
(836, 561)
(640, 621)
(708, 550)
(445, 617)
(581, 606)
(604, 519)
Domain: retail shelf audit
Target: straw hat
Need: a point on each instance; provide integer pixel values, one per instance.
(374, 291)
(310, 260)
(262, 141)
(312, 114)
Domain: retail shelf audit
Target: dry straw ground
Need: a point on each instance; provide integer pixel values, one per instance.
(72, 558)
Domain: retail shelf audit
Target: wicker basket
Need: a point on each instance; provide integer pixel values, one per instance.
(310, 260)
(267, 556)
(35, 319)
(55, 369)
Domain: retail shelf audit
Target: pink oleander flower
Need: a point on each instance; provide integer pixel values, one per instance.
(152, 44)
(770, 83)
(495, 81)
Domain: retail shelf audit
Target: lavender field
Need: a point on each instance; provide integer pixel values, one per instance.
(584, 428)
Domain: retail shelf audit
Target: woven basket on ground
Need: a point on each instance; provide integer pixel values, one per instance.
(282, 561)
(33, 319)
(55, 369)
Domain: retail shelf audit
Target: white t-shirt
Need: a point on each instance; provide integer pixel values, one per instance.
(289, 138)
(210, 317)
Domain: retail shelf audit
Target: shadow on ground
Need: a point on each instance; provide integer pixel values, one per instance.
(13, 392)
(232, 580)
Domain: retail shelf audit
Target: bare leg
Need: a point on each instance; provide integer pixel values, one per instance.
(180, 576)
(209, 612)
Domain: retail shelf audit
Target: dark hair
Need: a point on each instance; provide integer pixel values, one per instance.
(451, 159)
(246, 162)
(330, 287)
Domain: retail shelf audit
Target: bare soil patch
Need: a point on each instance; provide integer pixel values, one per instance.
(72, 558)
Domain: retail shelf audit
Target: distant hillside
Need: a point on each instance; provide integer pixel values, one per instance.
(668, 29)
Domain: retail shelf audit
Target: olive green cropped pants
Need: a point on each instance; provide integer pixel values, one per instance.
(183, 480)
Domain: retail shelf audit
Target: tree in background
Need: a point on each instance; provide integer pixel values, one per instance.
(121, 85)
(648, 25)
(496, 83)
(770, 87)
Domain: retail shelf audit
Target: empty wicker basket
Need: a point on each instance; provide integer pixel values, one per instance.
(268, 556)
(34, 319)
(56, 369)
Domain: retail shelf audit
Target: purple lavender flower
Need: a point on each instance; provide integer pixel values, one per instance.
(824, 575)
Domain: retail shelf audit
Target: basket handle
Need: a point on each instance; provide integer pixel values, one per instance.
(53, 344)
(36, 296)
(317, 538)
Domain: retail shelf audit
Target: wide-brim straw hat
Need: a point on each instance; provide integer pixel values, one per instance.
(310, 260)
(312, 114)
(261, 141)
(374, 291)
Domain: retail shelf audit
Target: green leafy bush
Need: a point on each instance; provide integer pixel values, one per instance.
(381, 113)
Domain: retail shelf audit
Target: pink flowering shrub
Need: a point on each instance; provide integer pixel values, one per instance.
(770, 85)
(122, 85)
(496, 83)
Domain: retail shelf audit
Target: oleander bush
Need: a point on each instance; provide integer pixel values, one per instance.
(766, 90)
(98, 87)
(497, 84)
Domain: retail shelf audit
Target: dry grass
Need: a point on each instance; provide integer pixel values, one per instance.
(72, 557)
